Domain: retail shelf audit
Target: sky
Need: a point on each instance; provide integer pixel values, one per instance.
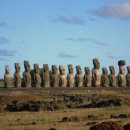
(64, 32)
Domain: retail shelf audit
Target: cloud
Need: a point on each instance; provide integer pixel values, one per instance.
(3, 59)
(86, 40)
(4, 40)
(64, 54)
(7, 53)
(120, 11)
(112, 57)
(3, 24)
(69, 20)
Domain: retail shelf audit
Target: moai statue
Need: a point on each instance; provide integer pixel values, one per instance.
(70, 76)
(96, 78)
(112, 77)
(46, 76)
(78, 77)
(128, 77)
(7, 77)
(121, 75)
(27, 75)
(104, 78)
(62, 77)
(17, 76)
(54, 77)
(87, 78)
(36, 76)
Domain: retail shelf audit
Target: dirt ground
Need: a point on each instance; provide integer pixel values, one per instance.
(82, 117)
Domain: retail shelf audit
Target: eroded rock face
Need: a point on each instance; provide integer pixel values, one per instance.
(46, 76)
(108, 126)
(104, 77)
(54, 76)
(121, 75)
(62, 77)
(96, 78)
(87, 77)
(27, 75)
(36, 76)
(112, 77)
(17, 76)
(7, 77)
(70, 76)
(128, 77)
(78, 77)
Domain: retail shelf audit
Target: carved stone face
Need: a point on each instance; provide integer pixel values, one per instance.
(122, 70)
(78, 69)
(7, 69)
(26, 63)
(17, 67)
(96, 64)
(62, 70)
(70, 68)
(104, 70)
(36, 68)
(128, 69)
(45, 68)
(54, 69)
(27, 66)
(87, 70)
(112, 70)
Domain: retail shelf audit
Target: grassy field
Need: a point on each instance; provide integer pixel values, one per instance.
(44, 120)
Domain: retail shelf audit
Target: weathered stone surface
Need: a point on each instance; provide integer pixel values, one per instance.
(121, 75)
(78, 77)
(17, 76)
(27, 75)
(108, 126)
(54, 76)
(70, 76)
(112, 77)
(62, 77)
(46, 76)
(128, 77)
(96, 78)
(7, 77)
(87, 77)
(104, 77)
(36, 76)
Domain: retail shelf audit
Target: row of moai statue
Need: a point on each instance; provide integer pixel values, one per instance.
(53, 79)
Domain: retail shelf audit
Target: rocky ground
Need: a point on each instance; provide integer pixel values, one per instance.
(101, 110)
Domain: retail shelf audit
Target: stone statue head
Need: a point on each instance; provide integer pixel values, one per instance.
(45, 68)
(121, 64)
(62, 70)
(104, 70)
(112, 70)
(7, 69)
(96, 63)
(128, 69)
(70, 68)
(54, 69)
(17, 67)
(36, 68)
(27, 66)
(87, 70)
(79, 70)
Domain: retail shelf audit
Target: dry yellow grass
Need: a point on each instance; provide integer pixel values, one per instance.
(45, 120)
